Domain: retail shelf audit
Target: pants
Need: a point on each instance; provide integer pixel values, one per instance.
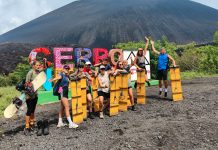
(31, 105)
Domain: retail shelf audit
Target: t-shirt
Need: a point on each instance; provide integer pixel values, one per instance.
(105, 80)
(133, 71)
(65, 80)
(108, 67)
(88, 70)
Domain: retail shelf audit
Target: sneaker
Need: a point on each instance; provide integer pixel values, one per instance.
(160, 93)
(73, 125)
(27, 131)
(61, 124)
(165, 94)
(91, 116)
(101, 115)
(133, 108)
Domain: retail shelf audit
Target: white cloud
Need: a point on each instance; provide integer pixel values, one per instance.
(17, 12)
(211, 3)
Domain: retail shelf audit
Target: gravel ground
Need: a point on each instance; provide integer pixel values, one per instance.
(161, 124)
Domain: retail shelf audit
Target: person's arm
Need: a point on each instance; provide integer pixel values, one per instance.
(153, 48)
(97, 65)
(171, 58)
(146, 45)
(56, 78)
(101, 84)
(120, 71)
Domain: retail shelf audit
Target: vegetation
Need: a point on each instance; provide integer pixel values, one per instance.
(6, 97)
(190, 57)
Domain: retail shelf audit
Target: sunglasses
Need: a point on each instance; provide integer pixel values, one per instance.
(120, 64)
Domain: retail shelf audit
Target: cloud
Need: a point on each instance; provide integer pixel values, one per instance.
(211, 3)
(17, 12)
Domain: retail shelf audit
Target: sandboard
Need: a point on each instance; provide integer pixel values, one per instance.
(13, 108)
(141, 95)
(114, 95)
(176, 84)
(77, 109)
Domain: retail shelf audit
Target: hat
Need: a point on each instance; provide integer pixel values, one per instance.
(66, 67)
(88, 63)
(102, 67)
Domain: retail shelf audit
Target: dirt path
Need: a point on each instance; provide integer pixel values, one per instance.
(161, 124)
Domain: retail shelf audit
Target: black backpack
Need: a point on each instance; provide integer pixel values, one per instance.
(56, 87)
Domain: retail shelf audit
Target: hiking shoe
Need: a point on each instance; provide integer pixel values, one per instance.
(91, 116)
(133, 108)
(40, 128)
(101, 115)
(61, 124)
(45, 130)
(165, 94)
(27, 131)
(73, 125)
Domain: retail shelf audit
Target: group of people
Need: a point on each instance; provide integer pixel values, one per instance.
(102, 71)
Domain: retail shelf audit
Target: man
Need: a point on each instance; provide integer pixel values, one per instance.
(163, 59)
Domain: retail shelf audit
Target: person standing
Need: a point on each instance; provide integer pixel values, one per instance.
(163, 60)
(140, 60)
(63, 77)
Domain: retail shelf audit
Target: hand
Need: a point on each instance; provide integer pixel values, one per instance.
(152, 42)
(146, 39)
(50, 80)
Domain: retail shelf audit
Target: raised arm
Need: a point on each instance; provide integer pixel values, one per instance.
(153, 48)
(171, 58)
(146, 45)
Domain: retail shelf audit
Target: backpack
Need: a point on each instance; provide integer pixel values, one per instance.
(57, 86)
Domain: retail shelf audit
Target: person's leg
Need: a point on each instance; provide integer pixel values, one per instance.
(27, 117)
(101, 105)
(159, 77)
(32, 116)
(65, 102)
(60, 115)
(146, 79)
(165, 82)
(89, 101)
(131, 98)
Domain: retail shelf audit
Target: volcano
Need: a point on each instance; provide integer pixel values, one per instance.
(102, 23)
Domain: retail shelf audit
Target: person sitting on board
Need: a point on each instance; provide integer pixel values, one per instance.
(103, 88)
(120, 69)
(140, 60)
(78, 74)
(163, 65)
(63, 97)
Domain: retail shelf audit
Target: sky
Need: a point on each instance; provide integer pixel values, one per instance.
(14, 13)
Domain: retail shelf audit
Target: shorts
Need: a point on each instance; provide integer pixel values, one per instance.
(105, 95)
(162, 74)
(65, 93)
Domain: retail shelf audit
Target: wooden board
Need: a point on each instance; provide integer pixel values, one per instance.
(176, 85)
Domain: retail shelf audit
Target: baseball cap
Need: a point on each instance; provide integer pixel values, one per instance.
(102, 67)
(66, 67)
(88, 63)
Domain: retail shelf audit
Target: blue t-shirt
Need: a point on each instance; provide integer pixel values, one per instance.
(64, 80)
(162, 61)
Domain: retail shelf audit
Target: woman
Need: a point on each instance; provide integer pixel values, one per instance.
(63, 97)
(31, 100)
(140, 60)
(80, 74)
(103, 88)
(120, 68)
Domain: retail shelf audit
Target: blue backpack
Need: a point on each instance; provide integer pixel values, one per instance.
(57, 86)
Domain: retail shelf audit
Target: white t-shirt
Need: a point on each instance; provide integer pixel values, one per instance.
(133, 71)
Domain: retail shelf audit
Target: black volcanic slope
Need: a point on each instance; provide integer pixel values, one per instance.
(101, 23)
